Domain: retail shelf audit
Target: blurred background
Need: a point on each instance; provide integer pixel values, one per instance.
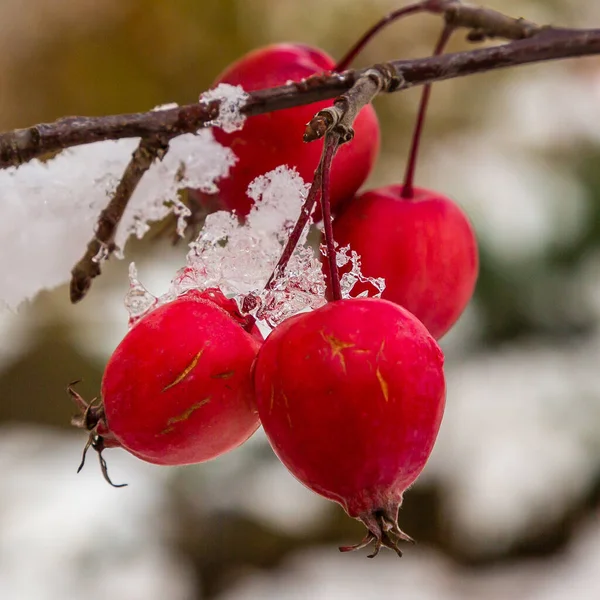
(507, 506)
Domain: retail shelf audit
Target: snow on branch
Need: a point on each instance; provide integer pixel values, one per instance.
(50, 209)
(21, 145)
(118, 172)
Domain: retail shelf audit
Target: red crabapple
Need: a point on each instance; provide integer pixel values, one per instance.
(424, 247)
(267, 141)
(178, 389)
(351, 397)
(230, 306)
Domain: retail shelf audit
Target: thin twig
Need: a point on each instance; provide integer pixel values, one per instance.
(301, 223)
(411, 165)
(102, 245)
(482, 23)
(390, 18)
(345, 109)
(332, 141)
(487, 23)
(22, 145)
(337, 122)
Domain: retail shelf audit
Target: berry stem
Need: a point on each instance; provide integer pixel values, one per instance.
(411, 166)
(335, 123)
(405, 11)
(330, 148)
(296, 234)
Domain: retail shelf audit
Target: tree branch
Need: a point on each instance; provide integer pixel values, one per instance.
(22, 145)
(487, 23)
(482, 23)
(531, 43)
(102, 245)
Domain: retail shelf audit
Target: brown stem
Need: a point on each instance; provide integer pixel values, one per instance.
(332, 141)
(409, 176)
(88, 266)
(340, 117)
(483, 23)
(22, 145)
(487, 23)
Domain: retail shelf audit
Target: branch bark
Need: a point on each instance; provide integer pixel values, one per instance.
(102, 245)
(21, 145)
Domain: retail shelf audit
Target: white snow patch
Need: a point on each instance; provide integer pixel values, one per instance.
(233, 98)
(49, 209)
(519, 443)
(68, 535)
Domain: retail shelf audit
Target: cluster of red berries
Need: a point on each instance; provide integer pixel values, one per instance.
(350, 395)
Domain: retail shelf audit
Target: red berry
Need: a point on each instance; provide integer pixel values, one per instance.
(267, 141)
(424, 248)
(178, 389)
(351, 397)
(230, 306)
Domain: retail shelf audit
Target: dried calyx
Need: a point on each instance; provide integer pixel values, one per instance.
(383, 531)
(91, 418)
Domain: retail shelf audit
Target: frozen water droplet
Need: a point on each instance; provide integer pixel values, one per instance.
(182, 212)
(138, 301)
(238, 258)
(102, 254)
(348, 280)
(168, 106)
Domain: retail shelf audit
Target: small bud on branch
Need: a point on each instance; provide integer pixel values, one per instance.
(339, 117)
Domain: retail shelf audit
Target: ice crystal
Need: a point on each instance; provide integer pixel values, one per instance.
(239, 257)
(345, 256)
(139, 300)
